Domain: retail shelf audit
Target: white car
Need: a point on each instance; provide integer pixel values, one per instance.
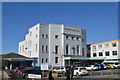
(80, 71)
(60, 70)
(91, 67)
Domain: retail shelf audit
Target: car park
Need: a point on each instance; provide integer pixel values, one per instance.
(91, 67)
(60, 70)
(31, 73)
(80, 71)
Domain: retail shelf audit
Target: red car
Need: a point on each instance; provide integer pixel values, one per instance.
(24, 69)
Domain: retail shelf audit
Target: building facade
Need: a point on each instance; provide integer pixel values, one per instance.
(108, 50)
(51, 43)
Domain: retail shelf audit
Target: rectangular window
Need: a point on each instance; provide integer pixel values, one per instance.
(77, 49)
(94, 55)
(36, 47)
(94, 48)
(114, 52)
(56, 60)
(42, 35)
(67, 37)
(107, 53)
(99, 46)
(67, 49)
(100, 53)
(47, 36)
(42, 48)
(56, 36)
(42, 60)
(106, 45)
(46, 49)
(72, 38)
(56, 49)
(114, 44)
(83, 51)
(46, 60)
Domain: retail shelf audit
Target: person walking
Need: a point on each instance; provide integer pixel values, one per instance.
(72, 71)
(67, 74)
(50, 76)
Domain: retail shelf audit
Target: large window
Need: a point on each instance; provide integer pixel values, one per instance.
(42, 60)
(73, 49)
(56, 49)
(83, 51)
(107, 53)
(42, 35)
(42, 48)
(94, 48)
(46, 49)
(56, 60)
(94, 55)
(114, 44)
(99, 46)
(77, 49)
(114, 52)
(67, 37)
(46, 60)
(67, 49)
(100, 53)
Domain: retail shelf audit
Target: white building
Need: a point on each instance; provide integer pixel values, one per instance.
(51, 43)
(108, 50)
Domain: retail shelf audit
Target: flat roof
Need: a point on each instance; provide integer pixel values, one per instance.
(106, 42)
(83, 58)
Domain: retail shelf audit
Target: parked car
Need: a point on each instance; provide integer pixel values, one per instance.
(91, 67)
(60, 69)
(31, 73)
(37, 68)
(100, 66)
(18, 68)
(110, 66)
(19, 71)
(80, 71)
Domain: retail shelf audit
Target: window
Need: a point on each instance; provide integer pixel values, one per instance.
(42, 60)
(30, 43)
(67, 49)
(100, 53)
(99, 46)
(82, 40)
(114, 52)
(56, 60)
(106, 45)
(56, 49)
(42, 35)
(47, 36)
(73, 48)
(30, 33)
(42, 48)
(36, 47)
(67, 37)
(94, 48)
(72, 38)
(78, 38)
(36, 36)
(83, 51)
(56, 36)
(77, 49)
(30, 53)
(46, 49)
(36, 28)
(46, 60)
(94, 54)
(114, 44)
(107, 53)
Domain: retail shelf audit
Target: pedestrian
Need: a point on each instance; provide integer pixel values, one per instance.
(67, 74)
(72, 71)
(50, 76)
